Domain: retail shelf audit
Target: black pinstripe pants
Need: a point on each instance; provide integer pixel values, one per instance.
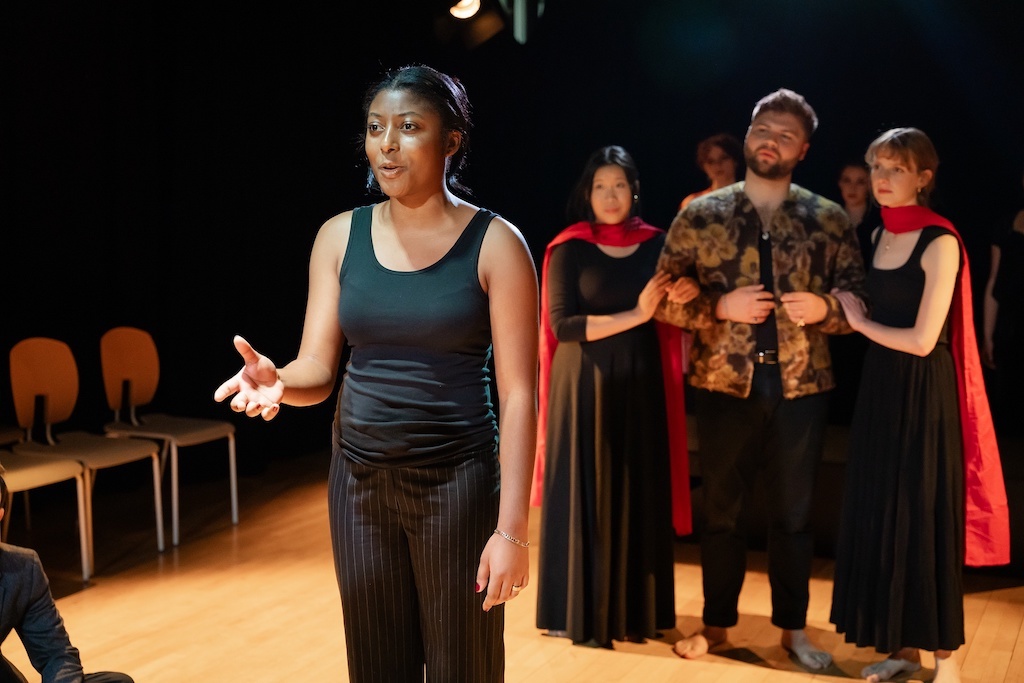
(407, 544)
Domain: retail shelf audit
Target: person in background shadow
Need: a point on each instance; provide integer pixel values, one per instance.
(605, 451)
(1003, 326)
(855, 189)
(27, 607)
(848, 349)
(721, 158)
(923, 493)
(766, 253)
(429, 510)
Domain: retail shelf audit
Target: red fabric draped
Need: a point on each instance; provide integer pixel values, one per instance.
(632, 232)
(987, 522)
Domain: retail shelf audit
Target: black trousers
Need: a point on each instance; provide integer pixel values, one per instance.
(742, 438)
(407, 544)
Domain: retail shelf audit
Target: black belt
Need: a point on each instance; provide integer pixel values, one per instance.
(767, 357)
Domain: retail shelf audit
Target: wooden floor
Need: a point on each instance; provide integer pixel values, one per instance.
(259, 603)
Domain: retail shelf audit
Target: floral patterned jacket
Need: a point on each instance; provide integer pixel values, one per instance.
(715, 241)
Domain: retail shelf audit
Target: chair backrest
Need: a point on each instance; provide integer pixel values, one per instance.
(41, 366)
(129, 354)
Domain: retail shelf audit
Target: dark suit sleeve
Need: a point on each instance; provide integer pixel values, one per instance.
(42, 630)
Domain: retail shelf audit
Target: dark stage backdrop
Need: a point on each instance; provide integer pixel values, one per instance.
(167, 165)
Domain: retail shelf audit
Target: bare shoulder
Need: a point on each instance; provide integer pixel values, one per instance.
(505, 251)
(336, 227)
(503, 235)
(328, 252)
(942, 253)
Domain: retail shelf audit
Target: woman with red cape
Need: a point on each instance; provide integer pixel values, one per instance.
(611, 411)
(924, 488)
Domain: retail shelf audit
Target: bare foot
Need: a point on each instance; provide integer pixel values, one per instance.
(886, 669)
(699, 643)
(946, 670)
(797, 642)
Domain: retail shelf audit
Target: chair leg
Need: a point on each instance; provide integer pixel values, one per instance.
(5, 525)
(84, 529)
(158, 503)
(87, 486)
(232, 466)
(174, 493)
(28, 509)
(163, 456)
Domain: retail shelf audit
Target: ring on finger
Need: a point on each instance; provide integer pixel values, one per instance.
(516, 589)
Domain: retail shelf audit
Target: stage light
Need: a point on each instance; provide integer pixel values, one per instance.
(464, 9)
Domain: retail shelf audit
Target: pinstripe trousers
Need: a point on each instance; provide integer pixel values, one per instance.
(407, 544)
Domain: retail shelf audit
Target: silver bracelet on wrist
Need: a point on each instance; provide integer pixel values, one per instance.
(512, 539)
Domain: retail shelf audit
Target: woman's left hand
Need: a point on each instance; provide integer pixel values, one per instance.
(504, 571)
(855, 310)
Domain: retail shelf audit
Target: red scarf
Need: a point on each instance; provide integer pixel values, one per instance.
(987, 523)
(632, 232)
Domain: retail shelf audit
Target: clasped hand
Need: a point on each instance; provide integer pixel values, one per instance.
(257, 387)
(855, 310)
(752, 304)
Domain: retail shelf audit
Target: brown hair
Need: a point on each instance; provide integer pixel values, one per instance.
(786, 101)
(728, 143)
(912, 147)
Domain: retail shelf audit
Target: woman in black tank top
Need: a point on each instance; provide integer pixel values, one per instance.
(430, 535)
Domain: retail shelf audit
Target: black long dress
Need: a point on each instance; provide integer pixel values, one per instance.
(606, 543)
(899, 558)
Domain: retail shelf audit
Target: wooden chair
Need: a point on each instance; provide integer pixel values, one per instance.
(131, 372)
(26, 472)
(44, 381)
(9, 435)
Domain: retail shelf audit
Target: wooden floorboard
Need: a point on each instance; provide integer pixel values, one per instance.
(258, 602)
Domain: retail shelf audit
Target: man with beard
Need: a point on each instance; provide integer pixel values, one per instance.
(766, 253)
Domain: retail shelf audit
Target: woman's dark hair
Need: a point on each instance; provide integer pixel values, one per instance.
(728, 143)
(579, 208)
(854, 163)
(445, 95)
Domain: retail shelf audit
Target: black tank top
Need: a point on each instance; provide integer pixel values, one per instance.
(895, 293)
(416, 389)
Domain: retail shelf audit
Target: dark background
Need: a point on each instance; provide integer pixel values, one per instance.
(167, 165)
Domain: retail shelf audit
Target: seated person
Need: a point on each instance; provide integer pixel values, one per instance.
(27, 606)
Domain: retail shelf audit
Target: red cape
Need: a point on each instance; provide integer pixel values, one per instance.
(987, 518)
(670, 338)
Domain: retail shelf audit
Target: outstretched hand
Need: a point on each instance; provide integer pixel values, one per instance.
(257, 386)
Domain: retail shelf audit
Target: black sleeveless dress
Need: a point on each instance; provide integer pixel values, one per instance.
(899, 559)
(606, 566)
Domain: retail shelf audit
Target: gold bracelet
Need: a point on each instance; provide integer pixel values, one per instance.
(513, 539)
